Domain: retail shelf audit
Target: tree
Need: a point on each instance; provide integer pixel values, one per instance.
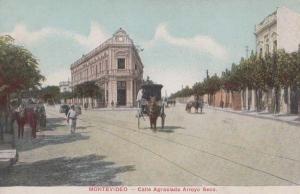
(50, 93)
(66, 95)
(289, 76)
(88, 89)
(18, 71)
(198, 89)
(18, 67)
(211, 86)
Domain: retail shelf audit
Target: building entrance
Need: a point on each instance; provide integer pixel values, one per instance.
(121, 93)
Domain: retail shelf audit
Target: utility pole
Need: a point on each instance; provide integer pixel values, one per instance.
(247, 51)
(207, 76)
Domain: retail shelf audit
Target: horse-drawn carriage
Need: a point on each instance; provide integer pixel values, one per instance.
(151, 105)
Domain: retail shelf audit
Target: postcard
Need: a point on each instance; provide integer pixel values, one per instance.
(140, 96)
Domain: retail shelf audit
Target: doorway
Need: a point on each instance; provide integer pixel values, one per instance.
(121, 93)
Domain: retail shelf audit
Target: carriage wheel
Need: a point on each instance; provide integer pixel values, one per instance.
(163, 116)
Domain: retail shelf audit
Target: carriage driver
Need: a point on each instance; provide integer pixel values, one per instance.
(139, 97)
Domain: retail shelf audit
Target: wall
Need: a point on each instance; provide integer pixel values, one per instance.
(288, 29)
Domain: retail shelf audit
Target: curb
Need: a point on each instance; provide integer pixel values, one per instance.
(295, 123)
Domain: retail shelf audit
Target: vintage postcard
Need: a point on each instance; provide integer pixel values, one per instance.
(150, 96)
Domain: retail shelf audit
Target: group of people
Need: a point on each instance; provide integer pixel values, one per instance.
(29, 113)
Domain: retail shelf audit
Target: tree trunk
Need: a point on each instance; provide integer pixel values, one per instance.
(294, 99)
(277, 100)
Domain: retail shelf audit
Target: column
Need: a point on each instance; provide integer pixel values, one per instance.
(253, 100)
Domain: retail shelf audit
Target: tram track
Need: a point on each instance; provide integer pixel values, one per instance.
(186, 146)
(128, 126)
(214, 141)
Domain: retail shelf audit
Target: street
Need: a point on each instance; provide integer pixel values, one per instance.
(213, 148)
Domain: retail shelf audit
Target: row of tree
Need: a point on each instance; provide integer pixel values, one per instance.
(260, 73)
(19, 72)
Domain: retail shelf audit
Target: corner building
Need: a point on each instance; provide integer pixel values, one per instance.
(116, 68)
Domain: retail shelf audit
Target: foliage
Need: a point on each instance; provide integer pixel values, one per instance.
(276, 70)
(50, 93)
(18, 67)
(88, 89)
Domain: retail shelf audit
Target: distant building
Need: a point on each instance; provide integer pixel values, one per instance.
(65, 86)
(279, 30)
(116, 68)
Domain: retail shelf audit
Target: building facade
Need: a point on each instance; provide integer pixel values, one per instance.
(279, 30)
(115, 66)
(65, 86)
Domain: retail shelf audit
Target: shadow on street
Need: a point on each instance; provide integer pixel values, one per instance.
(46, 140)
(53, 123)
(77, 171)
(170, 129)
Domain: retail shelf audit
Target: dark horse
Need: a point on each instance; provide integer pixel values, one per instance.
(154, 112)
(26, 116)
(196, 104)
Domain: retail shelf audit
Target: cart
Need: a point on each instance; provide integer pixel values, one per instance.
(151, 90)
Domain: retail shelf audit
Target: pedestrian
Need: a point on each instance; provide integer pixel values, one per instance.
(67, 110)
(73, 116)
(112, 103)
(222, 104)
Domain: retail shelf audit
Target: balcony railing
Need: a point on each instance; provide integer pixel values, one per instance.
(112, 72)
(266, 22)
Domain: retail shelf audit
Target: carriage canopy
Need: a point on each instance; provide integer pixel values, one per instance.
(152, 90)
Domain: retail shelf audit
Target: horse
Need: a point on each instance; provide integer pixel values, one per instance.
(154, 112)
(196, 104)
(26, 116)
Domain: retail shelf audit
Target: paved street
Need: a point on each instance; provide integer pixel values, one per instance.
(214, 148)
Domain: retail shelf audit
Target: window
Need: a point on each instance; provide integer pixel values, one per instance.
(121, 63)
(121, 84)
(267, 49)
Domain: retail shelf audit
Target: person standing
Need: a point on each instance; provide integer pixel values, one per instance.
(67, 110)
(73, 116)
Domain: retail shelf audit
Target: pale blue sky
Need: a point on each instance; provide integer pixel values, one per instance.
(181, 38)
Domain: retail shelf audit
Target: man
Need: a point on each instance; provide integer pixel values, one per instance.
(139, 97)
(67, 110)
(73, 116)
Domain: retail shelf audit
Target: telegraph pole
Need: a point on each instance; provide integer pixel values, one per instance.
(247, 51)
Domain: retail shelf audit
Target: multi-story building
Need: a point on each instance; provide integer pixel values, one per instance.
(65, 86)
(279, 30)
(115, 66)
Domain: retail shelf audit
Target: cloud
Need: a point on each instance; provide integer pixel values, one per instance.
(23, 35)
(96, 36)
(198, 43)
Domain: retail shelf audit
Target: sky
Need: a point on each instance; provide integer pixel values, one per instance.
(181, 38)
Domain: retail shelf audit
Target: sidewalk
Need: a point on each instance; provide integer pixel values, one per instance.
(8, 154)
(287, 118)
